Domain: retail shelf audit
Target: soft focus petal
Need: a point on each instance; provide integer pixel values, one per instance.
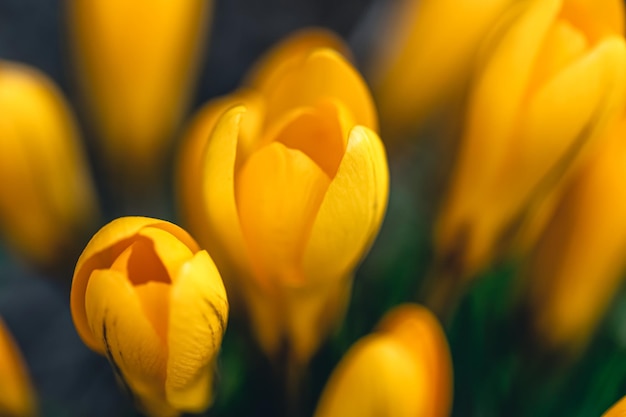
(403, 369)
(585, 239)
(136, 63)
(17, 397)
(323, 74)
(427, 56)
(47, 199)
(198, 317)
(346, 226)
(290, 53)
(617, 410)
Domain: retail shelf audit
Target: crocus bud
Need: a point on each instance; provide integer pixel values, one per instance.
(549, 82)
(17, 398)
(148, 298)
(617, 410)
(577, 267)
(426, 55)
(47, 200)
(401, 370)
(288, 190)
(136, 63)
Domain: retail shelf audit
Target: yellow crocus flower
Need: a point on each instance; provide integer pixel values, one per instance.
(136, 63)
(617, 410)
(148, 298)
(47, 200)
(548, 83)
(577, 267)
(425, 56)
(286, 184)
(403, 369)
(17, 398)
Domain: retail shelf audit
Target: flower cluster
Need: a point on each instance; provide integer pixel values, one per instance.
(283, 185)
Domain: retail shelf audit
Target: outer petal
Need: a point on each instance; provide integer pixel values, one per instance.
(222, 235)
(599, 18)
(17, 395)
(377, 377)
(189, 168)
(352, 210)
(198, 317)
(323, 74)
(124, 334)
(289, 53)
(419, 330)
(100, 253)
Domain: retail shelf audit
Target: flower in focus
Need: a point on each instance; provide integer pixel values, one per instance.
(617, 410)
(17, 397)
(148, 298)
(286, 184)
(549, 82)
(577, 266)
(136, 64)
(426, 57)
(47, 201)
(403, 369)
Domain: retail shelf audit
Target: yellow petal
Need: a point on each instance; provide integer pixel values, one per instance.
(169, 251)
(419, 330)
(222, 235)
(137, 63)
(198, 318)
(17, 395)
(100, 253)
(422, 62)
(289, 53)
(189, 168)
(279, 191)
(124, 334)
(567, 304)
(597, 18)
(377, 377)
(352, 210)
(617, 410)
(50, 197)
(323, 74)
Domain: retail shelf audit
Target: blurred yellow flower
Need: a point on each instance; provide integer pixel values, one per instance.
(286, 183)
(148, 298)
(577, 267)
(548, 83)
(402, 370)
(617, 410)
(425, 56)
(17, 397)
(47, 200)
(136, 63)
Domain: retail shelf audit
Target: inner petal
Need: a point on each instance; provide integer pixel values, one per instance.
(141, 264)
(279, 191)
(317, 132)
(563, 44)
